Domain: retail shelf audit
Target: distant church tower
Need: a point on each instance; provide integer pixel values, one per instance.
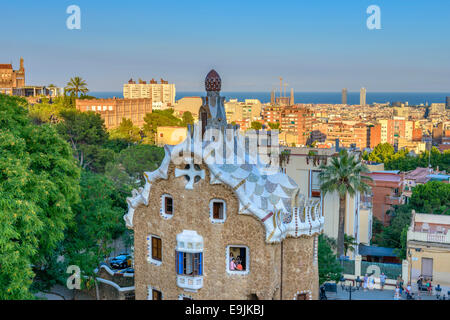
(292, 97)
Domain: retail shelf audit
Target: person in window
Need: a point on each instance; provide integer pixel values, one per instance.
(239, 263)
(232, 264)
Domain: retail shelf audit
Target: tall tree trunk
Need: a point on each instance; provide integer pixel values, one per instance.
(341, 228)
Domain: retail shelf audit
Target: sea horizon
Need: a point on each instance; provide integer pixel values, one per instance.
(413, 98)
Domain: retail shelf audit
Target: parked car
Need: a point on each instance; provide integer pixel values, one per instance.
(121, 261)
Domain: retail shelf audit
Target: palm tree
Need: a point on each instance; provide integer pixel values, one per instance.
(343, 175)
(349, 242)
(76, 85)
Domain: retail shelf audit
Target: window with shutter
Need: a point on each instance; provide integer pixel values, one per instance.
(156, 248)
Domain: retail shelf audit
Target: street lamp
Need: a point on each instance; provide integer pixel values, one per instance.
(350, 288)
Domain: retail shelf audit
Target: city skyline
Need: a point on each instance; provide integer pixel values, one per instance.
(326, 46)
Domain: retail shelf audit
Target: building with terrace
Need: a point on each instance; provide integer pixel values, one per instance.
(428, 248)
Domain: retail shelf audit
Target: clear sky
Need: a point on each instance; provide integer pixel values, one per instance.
(320, 45)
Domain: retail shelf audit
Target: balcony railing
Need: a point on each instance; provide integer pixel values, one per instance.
(190, 282)
(429, 237)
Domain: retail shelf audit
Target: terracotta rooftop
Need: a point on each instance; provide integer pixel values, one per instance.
(5, 66)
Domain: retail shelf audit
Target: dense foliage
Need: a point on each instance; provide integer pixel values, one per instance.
(329, 267)
(39, 183)
(403, 160)
(63, 184)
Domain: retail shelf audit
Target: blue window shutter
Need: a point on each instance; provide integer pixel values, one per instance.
(180, 262)
(200, 264)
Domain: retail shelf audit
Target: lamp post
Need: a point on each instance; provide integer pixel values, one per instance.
(350, 288)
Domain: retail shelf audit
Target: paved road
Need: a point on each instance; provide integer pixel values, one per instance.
(371, 295)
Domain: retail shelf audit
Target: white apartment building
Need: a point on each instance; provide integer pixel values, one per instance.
(159, 92)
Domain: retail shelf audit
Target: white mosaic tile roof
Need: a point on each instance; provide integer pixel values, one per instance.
(274, 199)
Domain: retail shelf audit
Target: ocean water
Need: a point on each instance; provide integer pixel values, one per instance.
(413, 98)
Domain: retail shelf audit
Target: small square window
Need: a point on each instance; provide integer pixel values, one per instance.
(217, 211)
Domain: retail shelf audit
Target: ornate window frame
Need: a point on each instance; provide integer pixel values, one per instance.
(162, 209)
(247, 260)
(211, 210)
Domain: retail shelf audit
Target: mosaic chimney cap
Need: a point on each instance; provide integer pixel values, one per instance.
(213, 81)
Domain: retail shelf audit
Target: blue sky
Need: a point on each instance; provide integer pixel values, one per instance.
(314, 45)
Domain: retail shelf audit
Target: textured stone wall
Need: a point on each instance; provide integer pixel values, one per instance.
(191, 212)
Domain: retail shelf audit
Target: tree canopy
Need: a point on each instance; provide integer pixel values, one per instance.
(329, 267)
(157, 119)
(39, 183)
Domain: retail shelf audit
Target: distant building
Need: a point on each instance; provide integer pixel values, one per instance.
(191, 104)
(159, 92)
(428, 248)
(362, 97)
(387, 191)
(11, 79)
(114, 110)
(438, 108)
(344, 96)
(447, 102)
(170, 135)
(298, 120)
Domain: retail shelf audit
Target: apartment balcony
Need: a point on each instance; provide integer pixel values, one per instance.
(393, 200)
(190, 282)
(429, 237)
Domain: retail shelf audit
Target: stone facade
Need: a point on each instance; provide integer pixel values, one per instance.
(191, 212)
(11, 79)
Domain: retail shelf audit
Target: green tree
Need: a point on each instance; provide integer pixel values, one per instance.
(86, 133)
(157, 119)
(349, 243)
(98, 221)
(75, 86)
(391, 235)
(187, 118)
(381, 153)
(255, 125)
(128, 167)
(274, 126)
(329, 268)
(38, 185)
(344, 176)
(126, 131)
(432, 197)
